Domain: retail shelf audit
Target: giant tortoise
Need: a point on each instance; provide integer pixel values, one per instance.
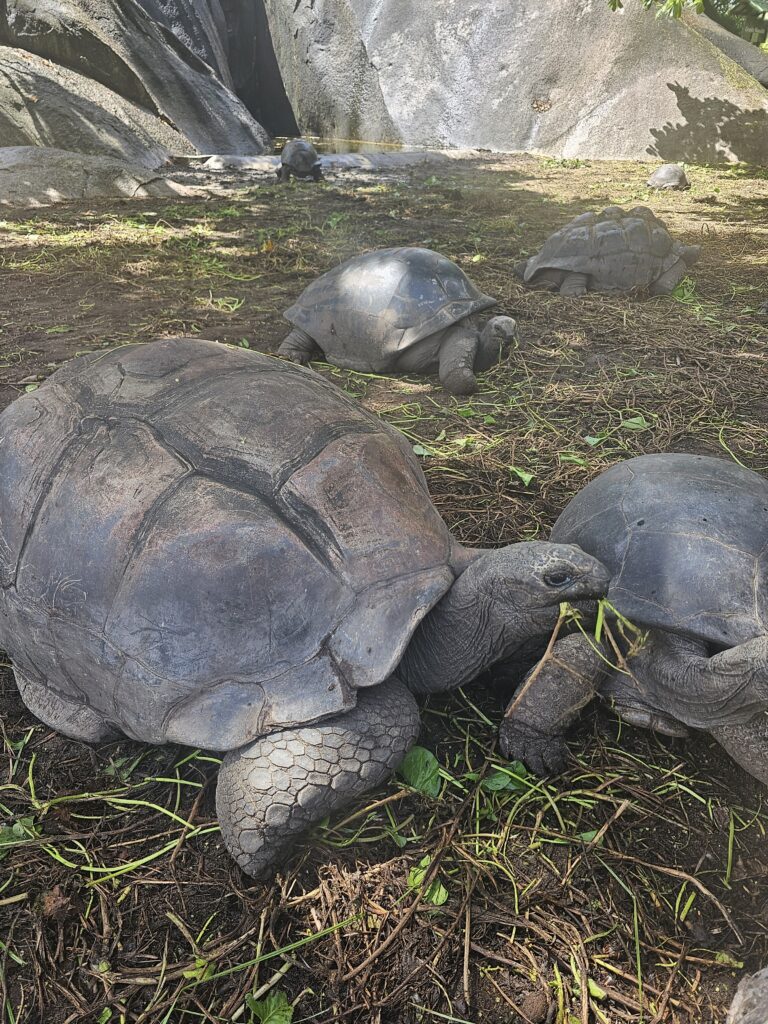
(686, 540)
(300, 159)
(406, 310)
(207, 546)
(613, 251)
(668, 176)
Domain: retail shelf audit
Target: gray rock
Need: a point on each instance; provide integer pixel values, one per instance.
(750, 57)
(201, 27)
(750, 1004)
(563, 79)
(33, 176)
(43, 104)
(118, 44)
(331, 81)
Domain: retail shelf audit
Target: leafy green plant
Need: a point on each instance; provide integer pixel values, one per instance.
(420, 770)
(275, 1008)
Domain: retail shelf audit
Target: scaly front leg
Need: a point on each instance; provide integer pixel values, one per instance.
(272, 790)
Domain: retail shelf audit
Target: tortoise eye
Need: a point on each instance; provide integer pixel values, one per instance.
(557, 579)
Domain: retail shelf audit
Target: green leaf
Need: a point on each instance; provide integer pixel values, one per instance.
(436, 893)
(727, 958)
(587, 837)
(512, 778)
(592, 440)
(244, 343)
(419, 449)
(467, 412)
(595, 991)
(31, 387)
(478, 258)
(105, 1016)
(275, 1009)
(489, 421)
(635, 423)
(419, 768)
(201, 971)
(524, 475)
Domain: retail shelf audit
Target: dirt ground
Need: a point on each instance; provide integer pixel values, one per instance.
(634, 886)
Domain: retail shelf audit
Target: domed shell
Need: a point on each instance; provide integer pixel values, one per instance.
(205, 544)
(668, 176)
(686, 540)
(620, 249)
(300, 156)
(389, 299)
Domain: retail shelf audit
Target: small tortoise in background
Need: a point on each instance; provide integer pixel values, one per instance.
(405, 310)
(300, 159)
(668, 176)
(613, 251)
(206, 546)
(686, 540)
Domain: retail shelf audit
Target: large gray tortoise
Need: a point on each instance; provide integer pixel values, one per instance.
(207, 546)
(686, 540)
(613, 251)
(668, 176)
(406, 310)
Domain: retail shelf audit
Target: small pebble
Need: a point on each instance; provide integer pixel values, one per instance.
(535, 1006)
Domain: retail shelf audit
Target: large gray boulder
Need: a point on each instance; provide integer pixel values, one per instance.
(333, 84)
(44, 104)
(750, 1004)
(33, 176)
(201, 27)
(115, 42)
(569, 78)
(750, 57)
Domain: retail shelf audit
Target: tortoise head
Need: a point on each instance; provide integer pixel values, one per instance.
(536, 576)
(497, 339)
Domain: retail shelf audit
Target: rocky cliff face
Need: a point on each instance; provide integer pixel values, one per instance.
(119, 56)
(568, 78)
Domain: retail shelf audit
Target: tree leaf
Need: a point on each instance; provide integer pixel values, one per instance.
(436, 893)
(274, 1009)
(512, 778)
(524, 475)
(419, 768)
(635, 423)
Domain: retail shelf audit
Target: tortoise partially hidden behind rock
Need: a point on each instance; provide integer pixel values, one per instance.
(686, 540)
(404, 310)
(206, 546)
(613, 251)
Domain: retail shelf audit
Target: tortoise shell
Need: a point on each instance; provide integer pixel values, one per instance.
(668, 176)
(620, 250)
(205, 544)
(300, 157)
(366, 312)
(685, 538)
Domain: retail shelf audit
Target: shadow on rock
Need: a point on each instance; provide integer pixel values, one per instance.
(714, 131)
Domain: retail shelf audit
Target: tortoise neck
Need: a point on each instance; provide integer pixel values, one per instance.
(462, 636)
